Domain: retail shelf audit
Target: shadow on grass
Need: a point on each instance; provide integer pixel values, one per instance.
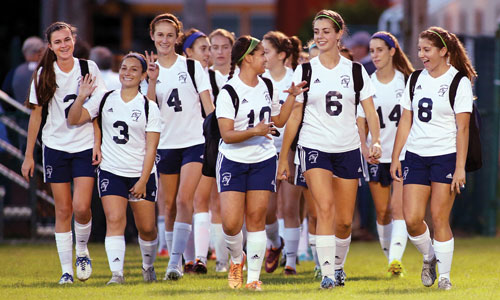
(402, 291)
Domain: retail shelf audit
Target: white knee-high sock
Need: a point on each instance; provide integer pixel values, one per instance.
(256, 248)
(161, 237)
(423, 244)
(169, 237)
(115, 250)
(444, 256)
(64, 243)
(292, 237)
(325, 246)
(342, 248)
(312, 244)
(399, 237)
(384, 236)
(281, 228)
(82, 234)
(303, 240)
(148, 251)
(189, 254)
(272, 232)
(180, 239)
(219, 243)
(201, 223)
(234, 244)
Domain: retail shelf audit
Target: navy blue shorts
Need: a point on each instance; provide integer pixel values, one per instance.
(211, 150)
(380, 173)
(241, 177)
(109, 184)
(345, 165)
(300, 179)
(424, 170)
(60, 166)
(171, 160)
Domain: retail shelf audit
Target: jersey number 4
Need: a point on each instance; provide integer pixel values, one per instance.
(174, 100)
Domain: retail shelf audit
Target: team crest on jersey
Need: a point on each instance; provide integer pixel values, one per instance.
(48, 171)
(182, 77)
(344, 80)
(226, 177)
(313, 156)
(399, 93)
(442, 89)
(104, 185)
(405, 172)
(268, 97)
(374, 170)
(135, 115)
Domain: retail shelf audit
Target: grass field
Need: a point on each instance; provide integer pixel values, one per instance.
(31, 271)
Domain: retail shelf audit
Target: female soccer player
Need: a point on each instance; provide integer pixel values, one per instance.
(67, 150)
(131, 127)
(437, 133)
(393, 67)
(180, 150)
(329, 143)
(195, 45)
(221, 43)
(246, 166)
(286, 201)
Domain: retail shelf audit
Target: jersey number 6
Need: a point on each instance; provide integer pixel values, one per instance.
(331, 104)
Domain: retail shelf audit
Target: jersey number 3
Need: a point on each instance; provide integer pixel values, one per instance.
(124, 137)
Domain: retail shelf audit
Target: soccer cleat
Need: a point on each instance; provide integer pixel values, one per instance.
(429, 272)
(220, 267)
(173, 273)
(163, 253)
(317, 272)
(83, 266)
(116, 278)
(289, 271)
(444, 284)
(189, 268)
(199, 267)
(273, 258)
(66, 279)
(395, 269)
(254, 286)
(327, 283)
(149, 275)
(235, 275)
(340, 277)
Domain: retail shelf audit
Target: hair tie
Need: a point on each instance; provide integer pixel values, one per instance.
(253, 44)
(325, 16)
(442, 40)
(190, 40)
(386, 38)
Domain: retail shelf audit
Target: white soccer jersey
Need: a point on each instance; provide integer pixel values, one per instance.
(179, 103)
(280, 86)
(330, 114)
(434, 129)
(255, 104)
(57, 133)
(124, 130)
(386, 101)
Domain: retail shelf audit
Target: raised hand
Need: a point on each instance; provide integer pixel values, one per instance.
(153, 69)
(296, 90)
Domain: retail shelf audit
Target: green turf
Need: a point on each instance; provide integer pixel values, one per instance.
(32, 271)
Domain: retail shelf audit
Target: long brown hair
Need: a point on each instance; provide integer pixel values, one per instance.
(224, 33)
(289, 45)
(239, 48)
(455, 49)
(45, 85)
(400, 61)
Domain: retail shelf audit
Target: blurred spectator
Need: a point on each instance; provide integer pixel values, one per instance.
(359, 44)
(33, 48)
(82, 49)
(346, 53)
(103, 57)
